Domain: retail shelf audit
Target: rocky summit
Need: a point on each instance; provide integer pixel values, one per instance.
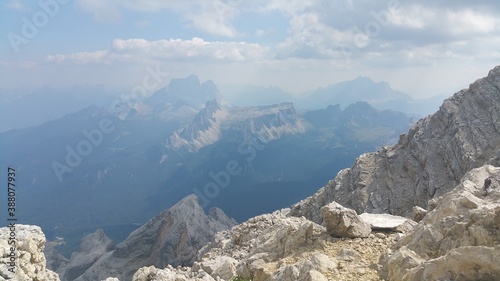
(427, 208)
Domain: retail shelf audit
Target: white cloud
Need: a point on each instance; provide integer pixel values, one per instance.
(308, 38)
(458, 21)
(413, 17)
(317, 29)
(174, 49)
(80, 58)
(21, 64)
(384, 30)
(468, 21)
(213, 17)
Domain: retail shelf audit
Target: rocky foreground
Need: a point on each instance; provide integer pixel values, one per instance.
(457, 239)
(444, 175)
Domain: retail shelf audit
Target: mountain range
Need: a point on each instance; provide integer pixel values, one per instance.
(442, 175)
(112, 168)
(59, 102)
(379, 95)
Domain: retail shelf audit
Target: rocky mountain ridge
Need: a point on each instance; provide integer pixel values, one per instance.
(266, 123)
(459, 239)
(136, 147)
(380, 95)
(427, 162)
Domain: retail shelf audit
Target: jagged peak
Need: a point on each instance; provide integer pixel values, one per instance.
(188, 203)
(176, 84)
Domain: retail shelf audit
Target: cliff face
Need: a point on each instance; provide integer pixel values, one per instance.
(459, 239)
(211, 123)
(204, 130)
(427, 162)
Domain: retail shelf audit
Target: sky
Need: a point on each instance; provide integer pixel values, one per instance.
(423, 48)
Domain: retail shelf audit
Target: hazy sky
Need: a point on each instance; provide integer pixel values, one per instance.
(423, 48)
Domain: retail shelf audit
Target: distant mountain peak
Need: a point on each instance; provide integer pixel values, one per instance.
(181, 84)
(185, 91)
(204, 130)
(172, 237)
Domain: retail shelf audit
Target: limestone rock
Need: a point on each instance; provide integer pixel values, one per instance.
(458, 240)
(418, 213)
(427, 162)
(343, 222)
(223, 267)
(152, 273)
(277, 247)
(312, 269)
(251, 249)
(171, 238)
(30, 263)
(387, 222)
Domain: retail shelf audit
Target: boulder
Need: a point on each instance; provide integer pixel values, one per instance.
(312, 269)
(343, 222)
(223, 267)
(387, 222)
(30, 263)
(418, 213)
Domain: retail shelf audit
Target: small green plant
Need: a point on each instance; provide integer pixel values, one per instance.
(238, 278)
